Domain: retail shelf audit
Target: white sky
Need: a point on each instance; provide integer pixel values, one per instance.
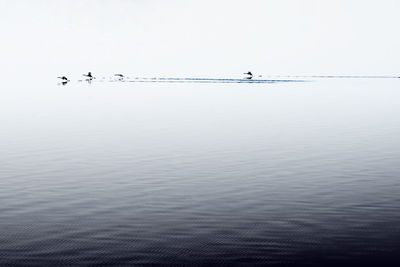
(220, 38)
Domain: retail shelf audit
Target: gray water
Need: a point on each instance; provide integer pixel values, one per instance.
(200, 174)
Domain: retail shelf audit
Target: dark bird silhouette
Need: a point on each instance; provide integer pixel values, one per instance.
(65, 79)
(89, 75)
(120, 76)
(250, 75)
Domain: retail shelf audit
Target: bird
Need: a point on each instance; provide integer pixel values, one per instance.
(89, 75)
(120, 76)
(63, 78)
(250, 75)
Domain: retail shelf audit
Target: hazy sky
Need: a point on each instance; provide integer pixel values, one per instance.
(150, 37)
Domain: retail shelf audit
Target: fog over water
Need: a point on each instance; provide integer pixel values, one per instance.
(187, 162)
(154, 38)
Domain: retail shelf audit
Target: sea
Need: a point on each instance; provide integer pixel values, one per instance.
(192, 172)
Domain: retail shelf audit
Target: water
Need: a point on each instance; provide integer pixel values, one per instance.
(200, 174)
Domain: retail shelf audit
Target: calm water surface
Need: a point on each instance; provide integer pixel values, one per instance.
(190, 174)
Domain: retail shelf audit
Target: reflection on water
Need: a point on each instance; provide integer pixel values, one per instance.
(135, 174)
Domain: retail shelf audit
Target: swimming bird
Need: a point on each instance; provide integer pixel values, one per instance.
(65, 79)
(250, 75)
(89, 75)
(120, 76)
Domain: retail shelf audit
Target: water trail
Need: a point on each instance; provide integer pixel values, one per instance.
(200, 80)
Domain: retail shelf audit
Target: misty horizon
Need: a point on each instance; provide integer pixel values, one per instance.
(199, 133)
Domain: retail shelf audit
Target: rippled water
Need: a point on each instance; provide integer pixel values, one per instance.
(186, 174)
